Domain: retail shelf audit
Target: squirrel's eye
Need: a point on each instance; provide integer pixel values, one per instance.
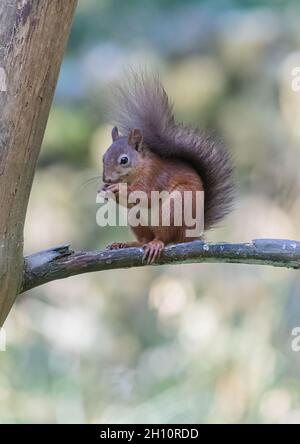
(123, 159)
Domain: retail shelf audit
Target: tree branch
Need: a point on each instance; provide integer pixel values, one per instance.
(62, 262)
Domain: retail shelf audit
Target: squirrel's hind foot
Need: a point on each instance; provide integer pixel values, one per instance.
(119, 245)
(152, 251)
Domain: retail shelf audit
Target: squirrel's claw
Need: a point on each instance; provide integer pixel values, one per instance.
(152, 251)
(119, 245)
(113, 188)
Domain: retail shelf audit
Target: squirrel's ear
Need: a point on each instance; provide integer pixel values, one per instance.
(114, 133)
(135, 139)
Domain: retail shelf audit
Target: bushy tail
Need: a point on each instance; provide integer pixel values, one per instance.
(141, 102)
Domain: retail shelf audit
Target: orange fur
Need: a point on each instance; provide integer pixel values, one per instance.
(158, 174)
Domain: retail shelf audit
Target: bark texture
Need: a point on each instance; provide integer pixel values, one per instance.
(33, 35)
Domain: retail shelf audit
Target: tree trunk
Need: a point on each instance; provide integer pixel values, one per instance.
(33, 34)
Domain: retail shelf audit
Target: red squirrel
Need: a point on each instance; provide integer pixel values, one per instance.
(155, 153)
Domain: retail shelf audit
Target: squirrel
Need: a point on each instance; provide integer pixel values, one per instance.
(155, 152)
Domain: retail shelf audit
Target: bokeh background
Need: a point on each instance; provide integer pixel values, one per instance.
(194, 343)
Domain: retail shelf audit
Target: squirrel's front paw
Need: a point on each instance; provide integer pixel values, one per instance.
(152, 251)
(108, 188)
(113, 188)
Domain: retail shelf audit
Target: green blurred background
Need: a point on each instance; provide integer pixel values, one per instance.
(193, 343)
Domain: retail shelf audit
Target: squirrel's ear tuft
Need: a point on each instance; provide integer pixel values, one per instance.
(114, 133)
(135, 139)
